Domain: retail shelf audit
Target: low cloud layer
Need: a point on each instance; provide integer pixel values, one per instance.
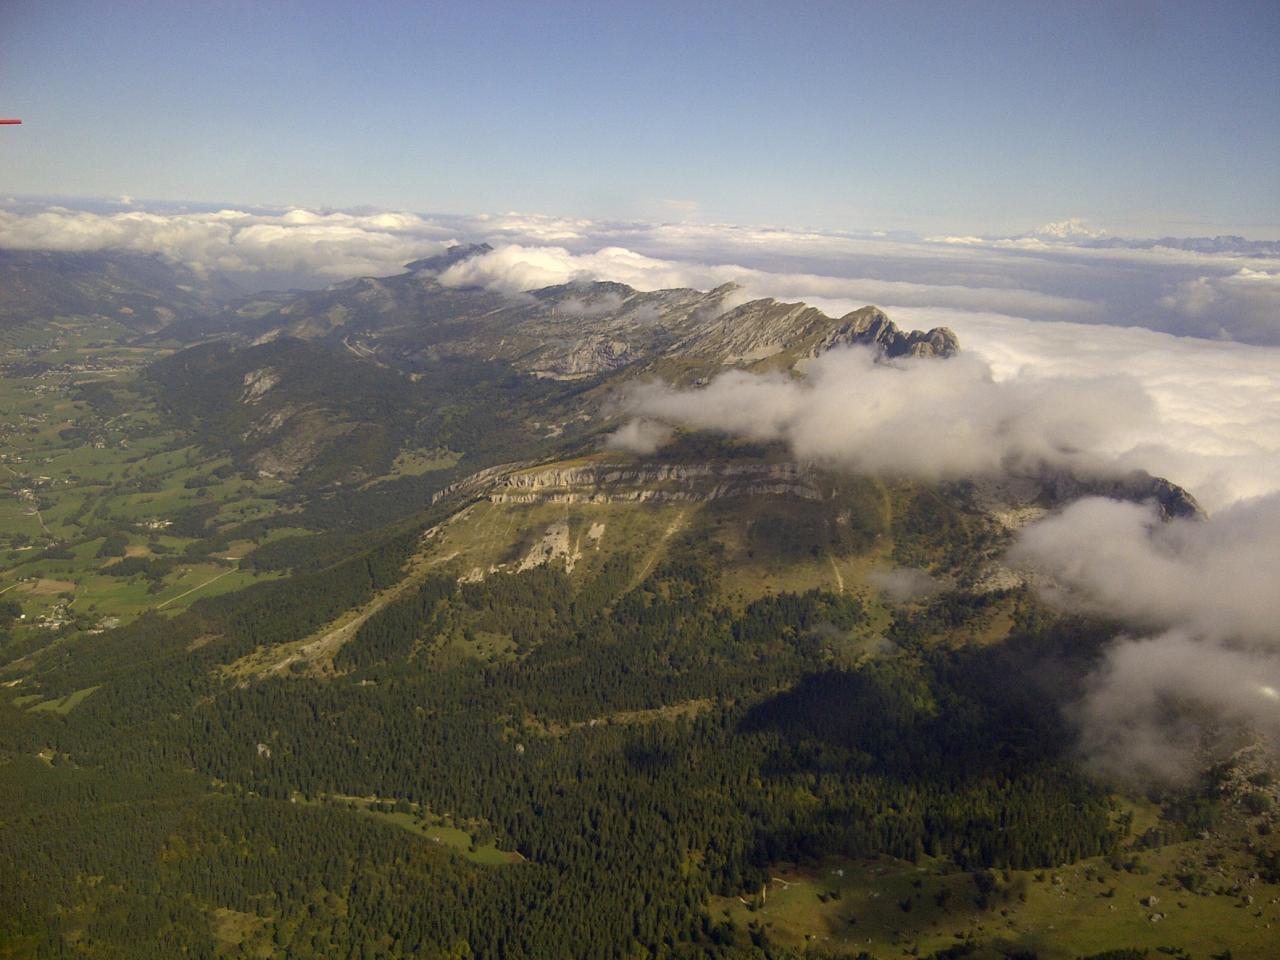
(1203, 414)
(514, 268)
(934, 420)
(1216, 429)
(1213, 578)
(1245, 305)
(1045, 305)
(904, 584)
(329, 246)
(1206, 678)
(1221, 288)
(639, 436)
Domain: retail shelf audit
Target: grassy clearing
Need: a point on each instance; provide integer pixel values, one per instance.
(1073, 918)
(435, 829)
(458, 840)
(231, 928)
(889, 908)
(414, 463)
(62, 705)
(501, 535)
(684, 710)
(491, 647)
(45, 587)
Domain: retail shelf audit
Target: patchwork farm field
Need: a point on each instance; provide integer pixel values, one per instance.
(91, 480)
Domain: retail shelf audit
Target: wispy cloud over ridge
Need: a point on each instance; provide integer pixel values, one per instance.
(940, 420)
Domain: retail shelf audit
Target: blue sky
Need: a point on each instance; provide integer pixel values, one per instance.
(1143, 118)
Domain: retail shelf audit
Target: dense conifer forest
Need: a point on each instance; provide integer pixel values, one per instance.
(527, 741)
(173, 793)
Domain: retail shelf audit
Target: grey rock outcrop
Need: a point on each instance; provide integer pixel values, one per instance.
(1061, 486)
(871, 327)
(656, 482)
(763, 329)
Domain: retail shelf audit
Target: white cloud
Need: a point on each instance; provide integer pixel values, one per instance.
(1159, 706)
(1216, 423)
(904, 583)
(1215, 578)
(931, 420)
(586, 307)
(1244, 304)
(1186, 291)
(330, 246)
(515, 267)
(639, 436)
(1070, 230)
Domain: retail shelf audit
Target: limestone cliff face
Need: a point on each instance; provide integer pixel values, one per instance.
(585, 356)
(1011, 501)
(637, 483)
(1016, 501)
(695, 482)
(1000, 504)
(640, 474)
(257, 382)
(477, 481)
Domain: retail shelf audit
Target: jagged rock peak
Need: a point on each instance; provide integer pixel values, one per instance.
(761, 329)
(443, 261)
(869, 325)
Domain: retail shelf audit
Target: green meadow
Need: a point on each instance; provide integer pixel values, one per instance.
(90, 476)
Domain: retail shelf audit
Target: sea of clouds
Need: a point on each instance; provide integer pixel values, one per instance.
(1129, 356)
(1230, 294)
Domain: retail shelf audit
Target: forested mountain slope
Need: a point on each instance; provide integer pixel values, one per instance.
(481, 684)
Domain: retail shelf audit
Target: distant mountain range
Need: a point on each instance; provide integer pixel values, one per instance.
(331, 385)
(140, 291)
(568, 331)
(1227, 244)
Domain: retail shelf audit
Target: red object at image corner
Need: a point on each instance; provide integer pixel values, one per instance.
(10, 121)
